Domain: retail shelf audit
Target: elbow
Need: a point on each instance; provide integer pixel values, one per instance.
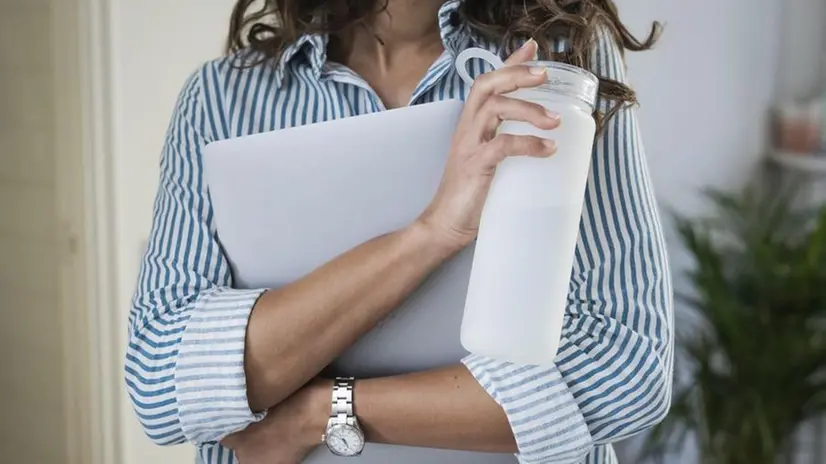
(185, 373)
(663, 368)
(149, 375)
(644, 403)
(655, 403)
(161, 427)
(649, 392)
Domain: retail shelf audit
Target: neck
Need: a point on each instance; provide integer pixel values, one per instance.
(406, 22)
(405, 25)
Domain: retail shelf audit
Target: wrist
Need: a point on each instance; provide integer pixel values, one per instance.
(317, 410)
(429, 236)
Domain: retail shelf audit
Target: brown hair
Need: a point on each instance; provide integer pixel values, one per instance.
(278, 23)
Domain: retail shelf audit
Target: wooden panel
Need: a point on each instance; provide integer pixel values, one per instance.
(32, 390)
(33, 411)
(26, 156)
(27, 212)
(21, 46)
(27, 98)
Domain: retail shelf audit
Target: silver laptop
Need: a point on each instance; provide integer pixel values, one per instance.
(288, 201)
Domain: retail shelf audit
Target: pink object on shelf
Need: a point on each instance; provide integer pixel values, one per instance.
(799, 128)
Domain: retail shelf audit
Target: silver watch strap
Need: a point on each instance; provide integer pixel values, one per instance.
(342, 410)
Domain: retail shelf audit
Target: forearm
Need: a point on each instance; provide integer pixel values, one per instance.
(296, 331)
(442, 408)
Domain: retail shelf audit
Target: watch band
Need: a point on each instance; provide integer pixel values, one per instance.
(342, 410)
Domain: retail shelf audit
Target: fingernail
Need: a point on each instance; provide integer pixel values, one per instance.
(528, 43)
(538, 70)
(550, 145)
(552, 115)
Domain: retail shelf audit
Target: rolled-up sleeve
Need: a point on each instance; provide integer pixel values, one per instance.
(187, 328)
(613, 372)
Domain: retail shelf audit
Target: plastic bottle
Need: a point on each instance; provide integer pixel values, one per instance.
(527, 238)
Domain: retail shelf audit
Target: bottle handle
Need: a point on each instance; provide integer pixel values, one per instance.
(471, 53)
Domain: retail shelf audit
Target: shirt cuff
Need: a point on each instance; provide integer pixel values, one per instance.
(210, 380)
(543, 414)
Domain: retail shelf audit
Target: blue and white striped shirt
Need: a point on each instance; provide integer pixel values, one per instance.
(185, 359)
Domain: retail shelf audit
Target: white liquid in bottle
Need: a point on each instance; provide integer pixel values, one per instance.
(524, 253)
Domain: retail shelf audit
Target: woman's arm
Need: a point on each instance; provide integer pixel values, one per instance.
(348, 297)
(442, 408)
(184, 359)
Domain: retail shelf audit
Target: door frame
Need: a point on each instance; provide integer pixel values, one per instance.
(86, 231)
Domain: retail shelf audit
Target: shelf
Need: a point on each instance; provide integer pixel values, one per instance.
(805, 164)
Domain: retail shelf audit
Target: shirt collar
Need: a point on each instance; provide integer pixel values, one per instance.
(455, 37)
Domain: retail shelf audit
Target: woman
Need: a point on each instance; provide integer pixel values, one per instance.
(234, 371)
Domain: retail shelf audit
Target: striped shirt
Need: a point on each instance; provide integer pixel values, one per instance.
(185, 358)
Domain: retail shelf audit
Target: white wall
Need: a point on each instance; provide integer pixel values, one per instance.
(803, 47)
(704, 91)
(155, 46)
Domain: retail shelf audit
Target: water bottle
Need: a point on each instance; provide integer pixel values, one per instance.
(527, 238)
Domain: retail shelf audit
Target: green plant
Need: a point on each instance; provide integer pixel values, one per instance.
(755, 348)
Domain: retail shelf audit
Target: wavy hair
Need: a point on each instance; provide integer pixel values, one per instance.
(266, 31)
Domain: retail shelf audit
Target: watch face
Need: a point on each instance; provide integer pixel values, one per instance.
(344, 440)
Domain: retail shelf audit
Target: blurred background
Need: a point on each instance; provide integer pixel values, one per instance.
(734, 94)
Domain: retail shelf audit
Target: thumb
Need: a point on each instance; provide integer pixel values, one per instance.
(527, 52)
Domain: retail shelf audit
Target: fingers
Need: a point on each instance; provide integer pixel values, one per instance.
(527, 52)
(509, 78)
(506, 145)
(503, 81)
(486, 107)
(499, 108)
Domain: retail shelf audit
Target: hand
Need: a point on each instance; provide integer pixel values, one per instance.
(476, 150)
(291, 430)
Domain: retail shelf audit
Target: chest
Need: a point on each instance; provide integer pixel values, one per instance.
(253, 103)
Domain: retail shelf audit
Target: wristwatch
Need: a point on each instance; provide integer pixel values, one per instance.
(343, 436)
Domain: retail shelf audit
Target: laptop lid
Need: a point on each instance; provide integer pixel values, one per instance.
(288, 201)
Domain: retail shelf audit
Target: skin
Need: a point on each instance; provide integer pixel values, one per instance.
(295, 332)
